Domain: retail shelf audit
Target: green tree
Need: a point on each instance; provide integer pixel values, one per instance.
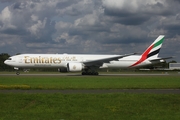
(3, 57)
(173, 61)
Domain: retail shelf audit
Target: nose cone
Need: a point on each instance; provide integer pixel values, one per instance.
(9, 61)
(5, 62)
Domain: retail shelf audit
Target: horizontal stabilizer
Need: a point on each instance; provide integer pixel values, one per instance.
(153, 60)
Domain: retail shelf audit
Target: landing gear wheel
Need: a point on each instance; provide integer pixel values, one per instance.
(90, 73)
(17, 73)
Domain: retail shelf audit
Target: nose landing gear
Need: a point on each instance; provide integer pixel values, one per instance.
(17, 71)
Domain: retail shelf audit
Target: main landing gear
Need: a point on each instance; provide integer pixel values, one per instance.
(90, 73)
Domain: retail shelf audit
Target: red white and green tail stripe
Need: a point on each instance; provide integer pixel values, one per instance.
(152, 51)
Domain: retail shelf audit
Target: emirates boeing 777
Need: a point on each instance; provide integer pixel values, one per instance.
(88, 64)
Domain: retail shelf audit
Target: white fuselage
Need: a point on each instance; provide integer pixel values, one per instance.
(88, 63)
(61, 60)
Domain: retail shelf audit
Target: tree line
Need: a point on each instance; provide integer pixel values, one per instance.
(4, 67)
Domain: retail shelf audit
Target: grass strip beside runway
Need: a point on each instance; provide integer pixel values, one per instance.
(89, 106)
(89, 82)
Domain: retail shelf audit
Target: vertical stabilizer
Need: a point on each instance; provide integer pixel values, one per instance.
(154, 48)
(152, 51)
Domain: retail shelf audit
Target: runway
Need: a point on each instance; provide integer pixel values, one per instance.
(78, 74)
(95, 91)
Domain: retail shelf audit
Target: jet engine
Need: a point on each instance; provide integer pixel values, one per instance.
(74, 67)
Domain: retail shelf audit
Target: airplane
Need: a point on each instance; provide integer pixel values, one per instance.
(88, 63)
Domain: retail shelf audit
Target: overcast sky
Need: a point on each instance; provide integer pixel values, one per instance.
(89, 26)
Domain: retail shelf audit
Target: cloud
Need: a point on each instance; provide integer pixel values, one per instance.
(87, 26)
(29, 19)
(135, 12)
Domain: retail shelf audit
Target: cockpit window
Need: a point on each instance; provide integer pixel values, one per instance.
(9, 59)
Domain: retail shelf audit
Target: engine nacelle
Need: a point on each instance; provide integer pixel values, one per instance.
(74, 67)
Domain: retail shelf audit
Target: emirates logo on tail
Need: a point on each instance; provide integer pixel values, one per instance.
(151, 51)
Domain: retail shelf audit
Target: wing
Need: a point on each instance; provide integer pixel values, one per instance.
(99, 62)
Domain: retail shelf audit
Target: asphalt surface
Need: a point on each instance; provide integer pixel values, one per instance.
(78, 74)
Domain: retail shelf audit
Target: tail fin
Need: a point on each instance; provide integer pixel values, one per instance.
(154, 48)
(152, 51)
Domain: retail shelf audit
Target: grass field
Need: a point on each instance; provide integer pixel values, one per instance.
(89, 82)
(89, 107)
(56, 106)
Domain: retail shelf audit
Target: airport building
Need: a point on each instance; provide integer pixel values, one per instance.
(174, 66)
